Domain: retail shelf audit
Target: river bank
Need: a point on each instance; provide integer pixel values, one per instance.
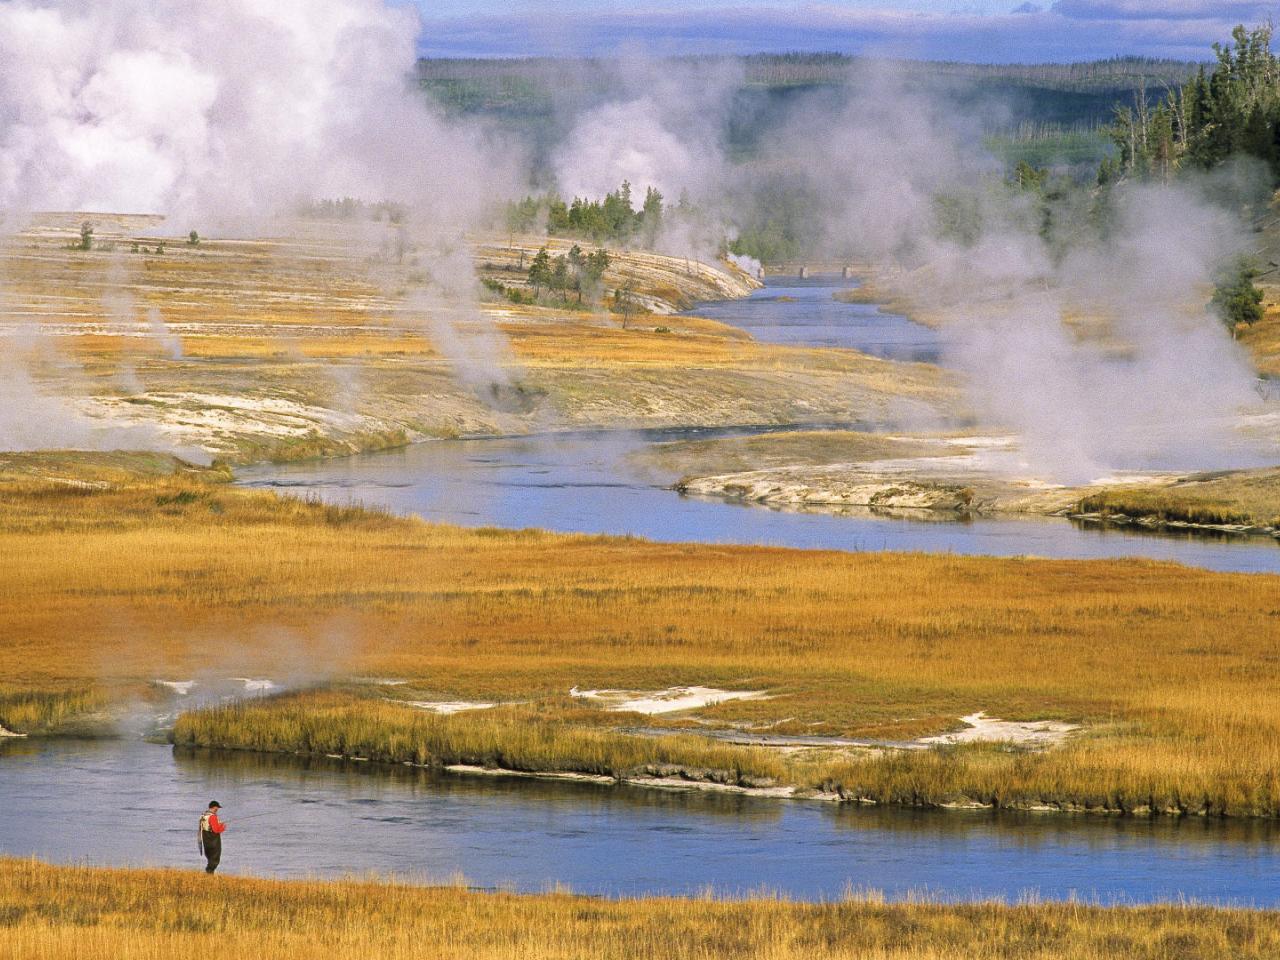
(316, 342)
(1004, 770)
(528, 834)
(94, 914)
(965, 476)
(889, 647)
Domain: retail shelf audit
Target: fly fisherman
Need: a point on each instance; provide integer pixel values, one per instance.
(210, 834)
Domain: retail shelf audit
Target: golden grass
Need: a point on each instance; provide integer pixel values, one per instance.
(1263, 340)
(169, 577)
(322, 319)
(1115, 771)
(535, 739)
(42, 711)
(60, 913)
(1248, 497)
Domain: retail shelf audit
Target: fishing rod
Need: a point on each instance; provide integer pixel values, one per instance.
(252, 816)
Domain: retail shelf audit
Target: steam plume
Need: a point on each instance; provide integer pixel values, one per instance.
(226, 108)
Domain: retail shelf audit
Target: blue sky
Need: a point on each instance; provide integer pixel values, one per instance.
(973, 30)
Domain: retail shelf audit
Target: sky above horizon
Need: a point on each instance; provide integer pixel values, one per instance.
(983, 31)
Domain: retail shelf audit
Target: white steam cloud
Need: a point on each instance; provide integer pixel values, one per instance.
(231, 113)
(35, 417)
(1094, 343)
(663, 131)
(231, 107)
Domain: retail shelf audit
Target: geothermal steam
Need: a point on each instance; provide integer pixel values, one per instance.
(661, 130)
(224, 108)
(231, 112)
(1094, 345)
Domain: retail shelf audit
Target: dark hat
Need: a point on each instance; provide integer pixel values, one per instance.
(214, 803)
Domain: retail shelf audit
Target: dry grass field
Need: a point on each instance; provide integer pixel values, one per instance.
(324, 337)
(107, 584)
(1241, 497)
(1263, 338)
(82, 913)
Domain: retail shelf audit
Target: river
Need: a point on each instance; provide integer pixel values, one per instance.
(590, 482)
(133, 802)
(137, 803)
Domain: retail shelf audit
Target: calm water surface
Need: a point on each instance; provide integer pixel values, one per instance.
(804, 313)
(593, 483)
(130, 802)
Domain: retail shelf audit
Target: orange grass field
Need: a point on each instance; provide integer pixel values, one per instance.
(110, 577)
(82, 913)
(327, 321)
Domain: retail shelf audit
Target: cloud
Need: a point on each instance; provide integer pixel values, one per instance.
(1218, 11)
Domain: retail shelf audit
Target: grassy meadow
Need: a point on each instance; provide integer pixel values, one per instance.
(1263, 338)
(107, 584)
(59, 913)
(1241, 497)
(319, 341)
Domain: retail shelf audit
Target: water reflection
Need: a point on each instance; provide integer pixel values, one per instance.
(1040, 828)
(237, 767)
(800, 312)
(137, 803)
(589, 483)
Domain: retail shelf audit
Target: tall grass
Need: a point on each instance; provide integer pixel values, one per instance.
(1170, 669)
(1161, 507)
(1114, 773)
(1250, 498)
(84, 913)
(48, 711)
(512, 738)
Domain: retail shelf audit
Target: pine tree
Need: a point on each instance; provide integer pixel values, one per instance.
(540, 271)
(651, 216)
(1235, 298)
(559, 275)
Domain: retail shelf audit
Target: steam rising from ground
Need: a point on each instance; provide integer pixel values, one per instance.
(226, 114)
(1162, 387)
(35, 417)
(1087, 340)
(225, 108)
(663, 130)
(1091, 340)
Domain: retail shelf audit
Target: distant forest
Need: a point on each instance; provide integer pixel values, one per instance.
(1072, 96)
(1060, 128)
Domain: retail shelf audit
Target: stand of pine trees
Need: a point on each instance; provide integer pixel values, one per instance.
(612, 220)
(1232, 110)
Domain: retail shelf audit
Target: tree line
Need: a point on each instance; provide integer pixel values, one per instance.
(1229, 112)
(613, 219)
